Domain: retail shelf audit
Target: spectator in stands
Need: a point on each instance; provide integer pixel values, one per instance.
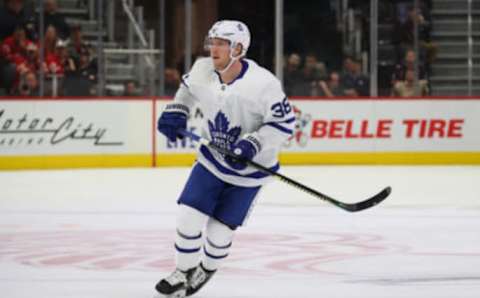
(14, 52)
(55, 67)
(332, 87)
(405, 35)
(50, 41)
(82, 81)
(348, 70)
(76, 44)
(406, 32)
(86, 69)
(292, 76)
(53, 18)
(65, 61)
(29, 85)
(8, 74)
(59, 65)
(408, 63)
(13, 14)
(31, 62)
(172, 81)
(312, 72)
(16, 44)
(130, 89)
(407, 87)
(4, 64)
(353, 80)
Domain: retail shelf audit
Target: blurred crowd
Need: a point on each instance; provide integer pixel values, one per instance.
(308, 75)
(403, 77)
(69, 63)
(68, 60)
(311, 78)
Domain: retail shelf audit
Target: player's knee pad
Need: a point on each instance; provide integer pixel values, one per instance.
(190, 223)
(217, 244)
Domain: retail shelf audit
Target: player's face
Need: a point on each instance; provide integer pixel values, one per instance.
(220, 52)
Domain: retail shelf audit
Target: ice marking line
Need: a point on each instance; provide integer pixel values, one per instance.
(265, 214)
(94, 280)
(137, 250)
(279, 213)
(71, 212)
(389, 281)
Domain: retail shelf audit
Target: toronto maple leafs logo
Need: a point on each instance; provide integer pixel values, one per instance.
(220, 133)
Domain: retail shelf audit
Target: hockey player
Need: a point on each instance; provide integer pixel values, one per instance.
(246, 112)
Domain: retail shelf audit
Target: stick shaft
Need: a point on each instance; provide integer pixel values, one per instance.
(345, 206)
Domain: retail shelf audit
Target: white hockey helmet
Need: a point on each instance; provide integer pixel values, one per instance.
(235, 32)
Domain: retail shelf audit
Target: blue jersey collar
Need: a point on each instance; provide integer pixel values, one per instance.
(240, 75)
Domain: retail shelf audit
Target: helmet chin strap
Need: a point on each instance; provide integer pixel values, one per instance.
(230, 63)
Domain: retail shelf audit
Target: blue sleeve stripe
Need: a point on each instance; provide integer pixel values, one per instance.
(186, 250)
(208, 155)
(189, 237)
(288, 120)
(279, 127)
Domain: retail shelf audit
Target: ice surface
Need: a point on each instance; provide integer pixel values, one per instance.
(109, 233)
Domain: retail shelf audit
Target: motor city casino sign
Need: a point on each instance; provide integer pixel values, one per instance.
(40, 127)
(29, 130)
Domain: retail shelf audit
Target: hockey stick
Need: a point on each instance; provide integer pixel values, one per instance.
(351, 207)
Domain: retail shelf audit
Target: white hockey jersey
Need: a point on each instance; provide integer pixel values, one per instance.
(253, 106)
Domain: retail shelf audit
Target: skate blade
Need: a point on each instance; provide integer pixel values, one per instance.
(177, 294)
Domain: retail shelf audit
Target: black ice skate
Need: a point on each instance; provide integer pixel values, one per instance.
(173, 286)
(198, 278)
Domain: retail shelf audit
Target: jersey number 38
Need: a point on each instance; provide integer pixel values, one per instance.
(280, 109)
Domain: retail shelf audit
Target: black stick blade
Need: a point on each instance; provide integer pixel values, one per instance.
(369, 202)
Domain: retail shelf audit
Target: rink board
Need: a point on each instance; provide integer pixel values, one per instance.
(120, 132)
(75, 133)
(363, 131)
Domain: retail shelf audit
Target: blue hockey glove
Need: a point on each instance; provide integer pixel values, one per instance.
(244, 150)
(170, 122)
